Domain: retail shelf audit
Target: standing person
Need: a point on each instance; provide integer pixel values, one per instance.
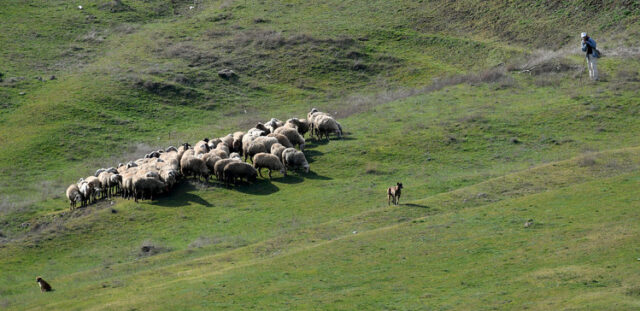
(589, 46)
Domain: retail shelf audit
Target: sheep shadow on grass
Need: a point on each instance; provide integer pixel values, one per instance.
(259, 187)
(310, 154)
(290, 179)
(314, 175)
(181, 196)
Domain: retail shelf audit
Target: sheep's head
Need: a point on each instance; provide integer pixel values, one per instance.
(283, 171)
(78, 197)
(306, 167)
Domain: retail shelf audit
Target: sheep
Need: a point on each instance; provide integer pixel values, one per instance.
(235, 171)
(112, 170)
(210, 160)
(220, 153)
(326, 125)
(146, 187)
(227, 141)
(169, 176)
(301, 125)
(202, 146)
(213, 143)
(269, 161)
(116, 183)
(105, 183)
(193, 166)
(393, 194)
(292, 135)
(283, 140)
(224, 147)
(127, 184)
(95, 185)
(99, 171)
(74, 196)
(276, 149)
(170, 149)
(237, 141)
(254, 148)
(235, 155)
(86, 190)
(218, 168)
(294, 159)
(312, 116)
(273, 124)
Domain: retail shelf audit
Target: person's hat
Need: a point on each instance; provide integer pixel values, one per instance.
(584, 34)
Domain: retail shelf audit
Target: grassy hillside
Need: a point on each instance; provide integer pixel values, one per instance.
(450, 98)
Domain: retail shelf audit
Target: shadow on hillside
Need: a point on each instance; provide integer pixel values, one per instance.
(260, 187)
(181, 196)
(290, 179)
(310, 154)
(313, 175)
(414, 205)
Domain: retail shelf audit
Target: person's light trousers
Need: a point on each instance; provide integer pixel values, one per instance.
(592, 65)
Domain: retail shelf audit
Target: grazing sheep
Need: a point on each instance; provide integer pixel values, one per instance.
(218, 169)
(220, 153)
(295, 159)
(235, 171)
(74, 196)
(213, 143)
(95, 185)
(227, 141)
(237, 142)
(86, 191)
(393, 194)
(146, 187)
(223, 147)
(169, 176)
(325, 125)
(210, 160)
(292, 135)
(254, 148)
(312, 117)
(193, 166)
(301, 125)
(276, 150)
(105, 183)
(269, 161)
(235, 155)
(283, 140)
(116, 183)
(202, 146)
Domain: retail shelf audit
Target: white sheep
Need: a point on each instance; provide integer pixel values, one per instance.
(269, 161)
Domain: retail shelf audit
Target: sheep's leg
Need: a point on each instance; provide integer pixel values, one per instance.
(260, 172)
(269, 174)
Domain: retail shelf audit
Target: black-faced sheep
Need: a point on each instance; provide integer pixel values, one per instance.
(74, 196)
(283, 140)
(295, 159)
(236, 171)
(292, 135)
(268, 161)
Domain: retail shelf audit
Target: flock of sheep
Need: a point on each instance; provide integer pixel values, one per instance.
(269, 145)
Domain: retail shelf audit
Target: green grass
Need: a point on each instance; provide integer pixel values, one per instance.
(479, 149)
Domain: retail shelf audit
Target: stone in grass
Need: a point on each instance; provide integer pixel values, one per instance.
(227, 74)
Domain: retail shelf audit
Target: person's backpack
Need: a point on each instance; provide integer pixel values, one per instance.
(598, 53)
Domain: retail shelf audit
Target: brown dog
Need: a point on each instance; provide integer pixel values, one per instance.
(44, 286)
(393, 193)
